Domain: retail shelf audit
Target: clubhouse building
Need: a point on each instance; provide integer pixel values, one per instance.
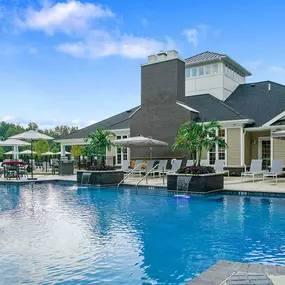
(207, 86)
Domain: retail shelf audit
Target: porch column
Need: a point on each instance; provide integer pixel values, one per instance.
(15, 152)
(62, 150)
(271, 148)
(242, 135)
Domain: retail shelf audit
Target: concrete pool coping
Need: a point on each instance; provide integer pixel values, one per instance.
(227, 272)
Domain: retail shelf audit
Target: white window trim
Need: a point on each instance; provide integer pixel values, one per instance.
(260, 139)
(122, 154)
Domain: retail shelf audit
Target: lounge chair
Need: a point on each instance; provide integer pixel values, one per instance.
(139, 168)
(150, 165)
(255, 169)
(219, 167)
(161, 169)
(175, 165)
(276, 169)
(125, 167)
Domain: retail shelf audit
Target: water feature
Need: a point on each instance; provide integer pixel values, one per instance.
(182, 185)
(85, 179)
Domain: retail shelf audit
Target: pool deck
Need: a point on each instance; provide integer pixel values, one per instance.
(232, 184)
(237, 273)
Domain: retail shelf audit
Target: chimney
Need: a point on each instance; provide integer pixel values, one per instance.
(163, 78)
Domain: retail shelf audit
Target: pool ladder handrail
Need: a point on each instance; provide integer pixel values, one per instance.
(131, 172)
(146, 175)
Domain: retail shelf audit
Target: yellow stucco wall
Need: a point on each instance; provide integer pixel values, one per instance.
(279, 149)
(234, 147)
(247, 148)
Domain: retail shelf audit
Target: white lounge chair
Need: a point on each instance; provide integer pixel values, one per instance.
(162, 167)
(175, 165)
(149, 167)
(125, 166)
(255, 169)
(276, 169)
(139, 168)
(219, 167)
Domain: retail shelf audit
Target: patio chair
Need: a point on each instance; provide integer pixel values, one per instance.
(276, 169)
(149, 165)
(219, 167)
(11, 171)
(140, 168)
(175, 165)
(162, 167)
(125, 166)
(255, 169)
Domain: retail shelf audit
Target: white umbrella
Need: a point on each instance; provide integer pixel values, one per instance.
(32, 136)
(9, 152)
(140, 141)
(15, 144)
(27, 151)
(48, 153)
(66, 152)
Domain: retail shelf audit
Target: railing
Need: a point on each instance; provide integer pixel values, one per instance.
(129, 174)
(148, 172)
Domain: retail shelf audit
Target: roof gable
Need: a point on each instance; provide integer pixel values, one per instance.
(261, 101)
(119, 121)
(210, 108)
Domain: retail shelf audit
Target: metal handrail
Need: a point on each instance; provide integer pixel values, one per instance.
(129, 174)
(155, 167)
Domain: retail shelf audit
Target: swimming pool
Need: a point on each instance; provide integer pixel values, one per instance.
(61, 234)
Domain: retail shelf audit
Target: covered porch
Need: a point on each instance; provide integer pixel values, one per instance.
(260, 143)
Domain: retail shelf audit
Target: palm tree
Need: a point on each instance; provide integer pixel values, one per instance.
(98, 143)
(194, 137)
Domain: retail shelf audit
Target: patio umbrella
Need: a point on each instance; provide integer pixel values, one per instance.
(32, 136)
(66, 152)
(48, 153)
(9, 152)
(15, 144)
(27, 151)
(140, 141)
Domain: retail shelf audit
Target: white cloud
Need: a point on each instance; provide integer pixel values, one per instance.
(144, 22)
(278, 69)
(33, 50)
(7, 119)
(71, 17)
(129, 46)
(192, 36)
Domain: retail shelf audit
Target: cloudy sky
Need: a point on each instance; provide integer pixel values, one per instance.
(78, 62)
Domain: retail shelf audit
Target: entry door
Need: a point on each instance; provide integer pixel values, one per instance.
(265, 152)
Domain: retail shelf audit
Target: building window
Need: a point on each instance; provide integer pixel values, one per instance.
(216, 151)
(215, 68)
(121, 153)
(194, 71)
(201, 70)
(207, 69)
(187, 72)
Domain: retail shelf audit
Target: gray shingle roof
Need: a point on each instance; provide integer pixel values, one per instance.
(205, 56)
(209, 56)
(120, 121)
(211, 108)
(255, 101)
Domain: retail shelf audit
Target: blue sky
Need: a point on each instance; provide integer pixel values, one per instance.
(77, 62)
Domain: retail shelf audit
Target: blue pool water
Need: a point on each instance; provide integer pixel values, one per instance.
(59, 234)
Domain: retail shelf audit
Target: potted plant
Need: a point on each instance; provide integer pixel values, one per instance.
(193, 138)
(99, 174)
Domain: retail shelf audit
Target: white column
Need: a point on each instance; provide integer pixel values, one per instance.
(226, 149)
(62, 150)
(271, 148)
(242, 134)
(15, 152)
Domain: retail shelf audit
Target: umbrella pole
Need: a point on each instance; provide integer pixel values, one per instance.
(46, 163)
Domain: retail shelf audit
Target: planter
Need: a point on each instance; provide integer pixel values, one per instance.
(195, 183)
(112, 177)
